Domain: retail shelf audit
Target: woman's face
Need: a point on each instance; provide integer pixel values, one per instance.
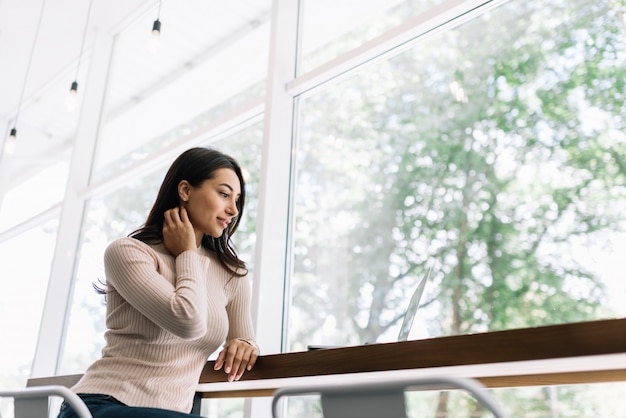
(213, 205)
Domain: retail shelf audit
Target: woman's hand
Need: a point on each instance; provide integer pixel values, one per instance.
(178, 232)
(237, 357)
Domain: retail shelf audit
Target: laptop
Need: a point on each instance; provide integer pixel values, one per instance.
(414, 304)
(409, 315)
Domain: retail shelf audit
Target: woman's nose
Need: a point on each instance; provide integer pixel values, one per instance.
(232, 209)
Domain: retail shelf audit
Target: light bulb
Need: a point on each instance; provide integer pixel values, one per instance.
(154, 45)
(71, 101)
(154, 41)
(9, 145)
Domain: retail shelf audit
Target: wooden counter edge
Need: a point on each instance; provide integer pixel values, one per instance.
(546, 342)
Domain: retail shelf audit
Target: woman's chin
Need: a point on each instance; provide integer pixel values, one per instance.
(215, 234)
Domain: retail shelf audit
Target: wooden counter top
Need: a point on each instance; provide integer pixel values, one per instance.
(584, 352)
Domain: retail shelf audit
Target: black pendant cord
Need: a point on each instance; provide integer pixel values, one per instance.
(82, 44)
(30, 60)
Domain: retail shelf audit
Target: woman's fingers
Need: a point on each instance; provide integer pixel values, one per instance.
(184, 216)
(174, 216)
(219, 362)
(178, 232)
(238, 357)
(247, 365)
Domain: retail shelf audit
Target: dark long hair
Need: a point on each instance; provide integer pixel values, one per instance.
(196, 165)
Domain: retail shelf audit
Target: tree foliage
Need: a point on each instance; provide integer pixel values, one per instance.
(475, 149)
(493, 150)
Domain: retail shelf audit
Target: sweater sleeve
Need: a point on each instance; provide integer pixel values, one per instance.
(179, 305)
(239, 312)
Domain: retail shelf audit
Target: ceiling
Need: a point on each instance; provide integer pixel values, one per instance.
(41, 47)
(56, 46)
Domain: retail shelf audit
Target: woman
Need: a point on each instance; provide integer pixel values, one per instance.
(175, 291)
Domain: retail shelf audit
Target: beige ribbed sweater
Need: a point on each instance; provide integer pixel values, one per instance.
(165, 316)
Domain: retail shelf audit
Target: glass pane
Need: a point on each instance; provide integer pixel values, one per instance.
(20, 316)
(595, 400)
(494, 152)
(223, 408)
(41, 190)
(211, 61)
(34, 167)
(330, 28)
(107, 218)
(118, 214)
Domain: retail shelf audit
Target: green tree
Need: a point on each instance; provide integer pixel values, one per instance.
(493, 149)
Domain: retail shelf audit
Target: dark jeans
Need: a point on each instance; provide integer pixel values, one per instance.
(105, 406)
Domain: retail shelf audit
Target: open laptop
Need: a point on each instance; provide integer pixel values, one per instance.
(409, 315)
(414, 304)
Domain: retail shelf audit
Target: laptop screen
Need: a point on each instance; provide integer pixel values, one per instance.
(414, 304)
(409, 315)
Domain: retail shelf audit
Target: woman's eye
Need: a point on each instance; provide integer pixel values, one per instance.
(224, 194)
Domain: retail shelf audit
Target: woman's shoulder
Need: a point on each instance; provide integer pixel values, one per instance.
(130, 245)
(126, 242)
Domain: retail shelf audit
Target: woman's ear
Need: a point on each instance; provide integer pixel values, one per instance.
(184, 188)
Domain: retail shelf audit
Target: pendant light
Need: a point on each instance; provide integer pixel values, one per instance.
(72, 99)
(10, 144)
(156, 25)
(154, 43)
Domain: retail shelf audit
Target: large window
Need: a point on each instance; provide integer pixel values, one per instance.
(208, 64)
(493, 151)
